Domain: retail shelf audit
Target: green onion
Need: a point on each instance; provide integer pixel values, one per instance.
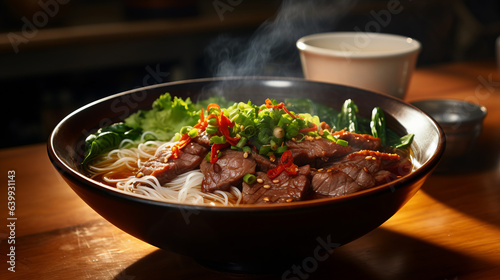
(249, 178)
(264, 150)
(342, 142)
(211, 129)
(281, 149)
(242, 142)
(177, 137)
(274, 146)
(263, 136)
(217, 139)
(193, 133)
(246, 149)
(185, 129)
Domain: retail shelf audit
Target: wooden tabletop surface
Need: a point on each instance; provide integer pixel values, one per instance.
(449, 230)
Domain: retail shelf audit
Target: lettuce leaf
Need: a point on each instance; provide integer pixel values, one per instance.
(166, 117)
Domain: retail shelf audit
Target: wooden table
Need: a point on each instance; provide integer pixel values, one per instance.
(449, 230)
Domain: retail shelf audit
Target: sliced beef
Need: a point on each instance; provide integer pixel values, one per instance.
(227, 171)
(202, 139)
(315, 152)
(334, 183)
(358, 173)
(359, 141)
(364, 169)
(263, 163)
(372, 160)
(189, 159)
(283, 188)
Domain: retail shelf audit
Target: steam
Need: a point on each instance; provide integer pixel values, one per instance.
(271, 50)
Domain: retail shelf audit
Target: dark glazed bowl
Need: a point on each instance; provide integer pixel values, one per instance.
(247, 239)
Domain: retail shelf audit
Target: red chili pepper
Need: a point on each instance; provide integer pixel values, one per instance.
(176, 149)
(212, 105)
(314, 128)
(272, 173)
(202, 123)
(286, 163)
(292, 169)
(214, 151)
(224, 124)
(287, 158)
(270, 105)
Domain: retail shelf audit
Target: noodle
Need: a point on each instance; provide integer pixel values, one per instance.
(118, 168)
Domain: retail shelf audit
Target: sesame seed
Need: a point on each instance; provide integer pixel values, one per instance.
(321, 169)
(368, 157)
(266, 186)
(259, 180)
(276, 181)
(139, 175)
(266, 198)
(374, 158)
(289, 200)
(245, 155)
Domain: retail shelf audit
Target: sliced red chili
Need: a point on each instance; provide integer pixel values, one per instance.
(292, 169)
(214, 151)
(314, 128)
(270, 105)
(287, 158)
(176, 149)
(202, 123)
(273, 173)
(286, 164)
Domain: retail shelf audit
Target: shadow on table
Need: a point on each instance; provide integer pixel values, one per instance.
(381, 254)
(470, 184)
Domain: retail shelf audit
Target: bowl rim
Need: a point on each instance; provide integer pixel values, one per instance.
(303, 46)
(480, 109)
(62, 167)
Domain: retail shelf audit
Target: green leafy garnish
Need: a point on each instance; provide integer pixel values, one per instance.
(107, 139)
(166, 117)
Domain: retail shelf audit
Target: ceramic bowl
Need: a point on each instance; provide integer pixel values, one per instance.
(251, 238)
(373, 61)
(461, 121)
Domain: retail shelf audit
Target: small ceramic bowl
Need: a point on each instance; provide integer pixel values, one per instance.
(461, 122)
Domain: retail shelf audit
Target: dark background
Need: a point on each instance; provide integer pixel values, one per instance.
(80, 51)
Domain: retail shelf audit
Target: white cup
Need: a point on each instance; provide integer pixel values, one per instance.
(373, 61)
